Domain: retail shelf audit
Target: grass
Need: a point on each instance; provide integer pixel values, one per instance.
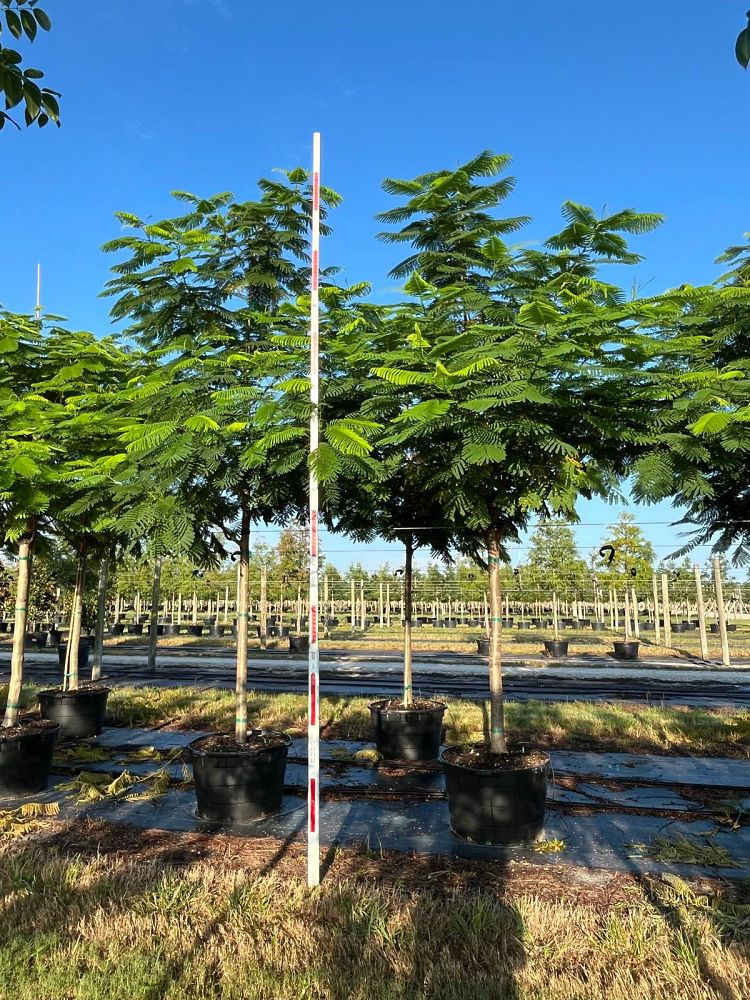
(629, 727)
(687, 851)
(103, 928)
(621, 726)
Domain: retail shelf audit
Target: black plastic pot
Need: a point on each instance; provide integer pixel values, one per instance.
(83, 656)
(211, 620)
(626, 650)
(54, 637)
(598, 627)
(495, 806)
(35, 640)
(216, 631)
(25, 762)
(117, 628)
(299, 644)
(331, 622)
(195, 630)
(483, 647)
(506, 623)
(556, 647)
(407, 734)
(135, 628)
(3, 626)
(566, 622)
(79, 713)
(648, 626)
(731, 628)
(239, 786)
(679, 627)
(171, 629)
(160, 629)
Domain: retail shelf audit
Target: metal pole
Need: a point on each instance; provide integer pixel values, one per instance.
(313, 717)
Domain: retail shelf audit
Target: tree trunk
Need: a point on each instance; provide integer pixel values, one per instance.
(13, 704)
(240, 716)
(497, 714)
(70, 674)
(263, 610)
(101, 612)
(154, 622)
(408, 693)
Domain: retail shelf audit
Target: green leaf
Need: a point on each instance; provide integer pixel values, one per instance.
(482, 454)
(183, 265)
(430, 409)
(742, 48)
(14, 23)
(200, 422)
(29, 24)
(42, 19)
(539, 312)
(711, 423)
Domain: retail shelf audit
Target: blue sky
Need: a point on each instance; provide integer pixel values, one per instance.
(633, 104)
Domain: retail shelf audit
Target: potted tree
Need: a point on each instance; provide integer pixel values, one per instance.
(520, 384)
(29, 479)
(230, 410)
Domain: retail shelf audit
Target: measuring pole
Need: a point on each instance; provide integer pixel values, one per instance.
(313, 719)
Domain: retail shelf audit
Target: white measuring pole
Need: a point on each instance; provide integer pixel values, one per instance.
(313, 706)
(38, 309)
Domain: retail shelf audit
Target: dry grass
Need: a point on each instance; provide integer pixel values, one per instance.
(575, 724)
(102, 926)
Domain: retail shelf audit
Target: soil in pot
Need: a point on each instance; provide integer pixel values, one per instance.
(84, 650)
(26, 751)
(412, 733)
(496, 798)
(626, 650)
(235, 782)
(80, 713)
(299, 644)
(555, 647)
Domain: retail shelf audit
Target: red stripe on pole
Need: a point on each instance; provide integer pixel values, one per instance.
(315, 270)
(313, 817)
(313, 700)
(314, 626)
(314, 533)
(316, 192)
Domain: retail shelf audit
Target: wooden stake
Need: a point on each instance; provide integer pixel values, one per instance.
(634, 602)
(667, 615)
(701, 611)
(657, 627)
(721, 611)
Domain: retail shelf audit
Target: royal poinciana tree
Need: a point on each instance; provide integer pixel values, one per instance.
(702, 457)
(519, 369)
(223, 418)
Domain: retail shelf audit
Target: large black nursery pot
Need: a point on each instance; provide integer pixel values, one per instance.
(239, 785)
(679, 627)
(195, 630)
(26, 759)
(556, 647)
(80, 713)
(84, 649)
(3, 626)
(117, 628)
(135, 628)
(483, 647)
(598, 626)
(216, 631)
(412, 733)
(626, 650)
(648, 626)
(496, 805)
(731, 628)
(171, 628)
(299, 644)
(54, 637)
(35, 640)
